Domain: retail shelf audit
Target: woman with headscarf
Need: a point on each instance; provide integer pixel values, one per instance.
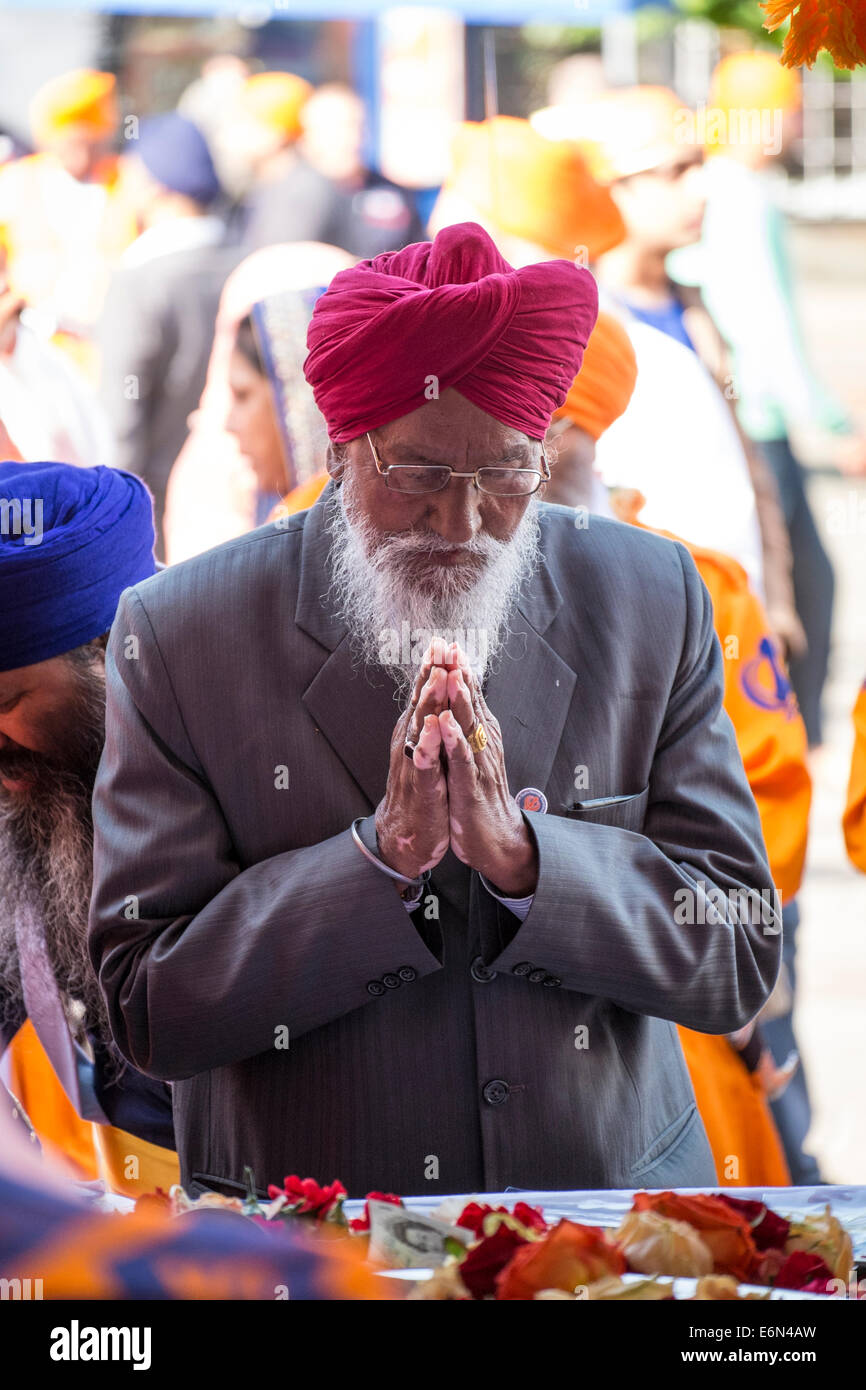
(213, 493)
(273, 415)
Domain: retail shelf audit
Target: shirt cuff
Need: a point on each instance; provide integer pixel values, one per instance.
(519, 906)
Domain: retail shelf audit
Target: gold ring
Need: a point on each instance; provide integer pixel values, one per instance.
(478, 738)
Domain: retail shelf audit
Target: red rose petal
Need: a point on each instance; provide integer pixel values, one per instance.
(473, 1214)
(801, 1269)
(487, 1259)
(769, 1231)
(531, 1217)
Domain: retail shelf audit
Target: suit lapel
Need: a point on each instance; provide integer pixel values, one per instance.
(356, 710)
(530, 688)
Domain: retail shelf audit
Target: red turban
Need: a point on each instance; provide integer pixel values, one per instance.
(394, 332)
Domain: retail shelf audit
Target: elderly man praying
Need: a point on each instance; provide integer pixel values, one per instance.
(418, 924)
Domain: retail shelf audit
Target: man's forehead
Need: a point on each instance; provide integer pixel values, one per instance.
(436, 432)
(48, 672)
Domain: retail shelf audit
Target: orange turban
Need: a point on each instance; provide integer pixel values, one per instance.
(624, 131)
(79, 98)
(754, 81)
(276, 100)
(602, 388)
(530, 187)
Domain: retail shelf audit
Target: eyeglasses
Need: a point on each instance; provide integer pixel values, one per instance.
(429, 477)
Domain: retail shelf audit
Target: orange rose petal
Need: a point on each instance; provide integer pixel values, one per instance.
(725, 1232)
(569, 1256)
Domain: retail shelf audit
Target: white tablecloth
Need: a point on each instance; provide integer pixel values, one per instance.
(607, 1208)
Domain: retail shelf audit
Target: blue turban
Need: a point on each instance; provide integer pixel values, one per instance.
(71, 540)
(176, 154)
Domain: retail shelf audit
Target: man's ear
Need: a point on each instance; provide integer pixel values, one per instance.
(336, 461)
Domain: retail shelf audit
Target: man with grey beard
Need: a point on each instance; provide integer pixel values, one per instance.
(399, 794)
(59, 593)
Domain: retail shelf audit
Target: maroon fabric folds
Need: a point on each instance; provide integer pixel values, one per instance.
(391, 332)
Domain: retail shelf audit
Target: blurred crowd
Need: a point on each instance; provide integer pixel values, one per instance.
(118, 238)
(158, 276)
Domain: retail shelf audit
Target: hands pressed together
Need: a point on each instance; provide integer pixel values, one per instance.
(447, 793)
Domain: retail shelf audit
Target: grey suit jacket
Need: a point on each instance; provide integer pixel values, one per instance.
(232, 913)
(155, 339)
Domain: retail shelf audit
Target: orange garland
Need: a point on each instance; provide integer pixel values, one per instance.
(839, 26)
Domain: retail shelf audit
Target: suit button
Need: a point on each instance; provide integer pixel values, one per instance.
(522, 969)
(391, 981)
(495, 1092)
(551, 980)
(407, 973)
(537, 977)
(481, 972)
(375, 987)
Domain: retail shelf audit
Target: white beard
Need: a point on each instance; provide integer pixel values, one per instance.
(394, 596)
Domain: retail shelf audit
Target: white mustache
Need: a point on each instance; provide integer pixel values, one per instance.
(431, 543)
(378, 592)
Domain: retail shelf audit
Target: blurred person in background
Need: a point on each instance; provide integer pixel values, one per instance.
(213, 492)
(310, 180)
(47, 404)
(287, 199)
(734, 1077)
(85, 535)
(157, 325)
(576, 79)
(854, 818)
(744, 271)
(252, 420)
(8, 448)
(745, 274)
(535, 195)
(85, 1253)
(640, 147)
(64, 218)
(646, 146)
(376, 214)
(10, 148)
(273, 414)
(211, 102)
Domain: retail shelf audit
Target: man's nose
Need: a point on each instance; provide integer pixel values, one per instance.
(454, 513)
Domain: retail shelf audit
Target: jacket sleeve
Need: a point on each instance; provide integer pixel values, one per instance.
(201, 961)
(663, 922)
